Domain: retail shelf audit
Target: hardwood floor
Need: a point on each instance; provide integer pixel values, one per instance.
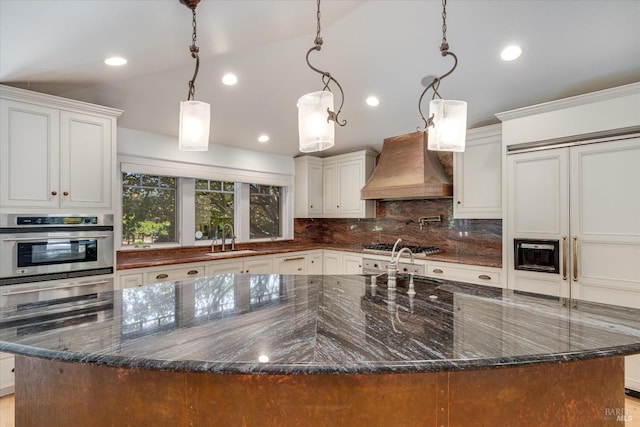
(7, 416)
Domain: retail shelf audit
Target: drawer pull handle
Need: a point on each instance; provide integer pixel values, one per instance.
(192, 272)
(437, 270)
(484, 277)
(299, 258)
(162, 276)
(299, 268)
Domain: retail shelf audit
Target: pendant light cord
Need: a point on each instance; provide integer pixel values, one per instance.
(326, 76)
(435, 84)
(194, 54)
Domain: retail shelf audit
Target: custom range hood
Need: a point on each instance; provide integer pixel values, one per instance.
(407, 170)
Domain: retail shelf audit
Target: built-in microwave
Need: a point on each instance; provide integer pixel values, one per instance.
(537, 255)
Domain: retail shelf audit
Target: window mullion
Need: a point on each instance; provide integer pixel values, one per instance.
(186, 211)
(241, 214)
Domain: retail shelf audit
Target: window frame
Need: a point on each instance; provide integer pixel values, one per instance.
(186, 174)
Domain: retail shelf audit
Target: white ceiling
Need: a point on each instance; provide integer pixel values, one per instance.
(381, 47)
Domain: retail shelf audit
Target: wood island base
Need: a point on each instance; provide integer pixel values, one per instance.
(578, 393)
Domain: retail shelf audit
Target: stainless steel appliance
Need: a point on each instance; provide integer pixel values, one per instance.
(37, 248)
(386, 248)
(537, 255)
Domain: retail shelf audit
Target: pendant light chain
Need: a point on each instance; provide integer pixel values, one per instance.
(327, 78)
(318, 40)
(194, 54)
(444, 46)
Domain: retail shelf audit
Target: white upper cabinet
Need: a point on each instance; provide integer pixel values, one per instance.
(477, 175)
(55, 153)
(308, 190)
(330, 187)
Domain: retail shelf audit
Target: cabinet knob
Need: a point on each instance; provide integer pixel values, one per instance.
(311, 206)
(337, 206)
(459, 202)
(66, 193)
(54, 193)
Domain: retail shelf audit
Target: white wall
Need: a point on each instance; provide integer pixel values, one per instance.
(161, 147)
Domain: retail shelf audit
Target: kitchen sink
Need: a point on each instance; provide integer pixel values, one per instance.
(227, 253)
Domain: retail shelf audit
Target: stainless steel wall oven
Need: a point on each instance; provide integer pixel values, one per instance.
(36, 248)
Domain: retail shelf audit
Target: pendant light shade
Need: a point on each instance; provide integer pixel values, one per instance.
(193, 133)
(316, 132)
(447, 122)
(449, 130)
(316, 116)
(194, 126)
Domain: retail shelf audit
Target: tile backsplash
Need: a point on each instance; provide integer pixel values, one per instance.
(399, 219)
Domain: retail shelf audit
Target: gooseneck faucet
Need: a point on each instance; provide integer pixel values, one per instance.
(392, 267)
(233, 237)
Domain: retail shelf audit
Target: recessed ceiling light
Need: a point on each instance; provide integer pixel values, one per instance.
(229, 79)
(510, 53)
(263, 138)
(373, 101)
(115, 61)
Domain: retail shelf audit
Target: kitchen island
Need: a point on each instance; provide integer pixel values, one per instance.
(273, 350)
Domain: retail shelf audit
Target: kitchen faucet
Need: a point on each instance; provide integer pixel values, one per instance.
(392, 267)
(233, 237)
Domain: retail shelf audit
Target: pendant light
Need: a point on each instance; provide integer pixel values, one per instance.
(194, 115)
(316, 117)
(447, 124)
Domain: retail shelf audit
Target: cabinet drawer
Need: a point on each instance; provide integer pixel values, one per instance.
(481, 276)
(171, 274)
(7, 364)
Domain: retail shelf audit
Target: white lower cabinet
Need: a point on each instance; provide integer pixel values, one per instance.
(632, 372)
(146, 276)
(314, 263)
(247, 265)
(479, 275)
(7, 374)
(336, 262)
(351, 264)
(290, 264)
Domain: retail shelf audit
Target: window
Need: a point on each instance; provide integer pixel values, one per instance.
(148, 209)
(214, 206)
(191, 207)
(264, 211)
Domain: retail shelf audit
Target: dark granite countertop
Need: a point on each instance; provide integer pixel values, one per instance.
(318, 324)
(137, 258)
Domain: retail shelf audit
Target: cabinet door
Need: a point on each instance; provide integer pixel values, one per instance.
(224, 267)
(86, 161)
(29, 153)
(315, 189)
(259, 266)
(293, 264)
(7, 373)
(352, 264)
(130, 280)
(329, 196)
(477, 179)
(538, 208)
(349, 183)
(331, 263)
(314, 263)
(605, 222)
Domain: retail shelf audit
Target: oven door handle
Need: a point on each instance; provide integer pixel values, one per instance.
(38, 239)
(54, 288)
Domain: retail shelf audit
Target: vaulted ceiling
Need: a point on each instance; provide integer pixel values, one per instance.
(373, 47)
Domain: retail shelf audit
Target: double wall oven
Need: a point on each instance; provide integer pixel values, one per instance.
(44, 257)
